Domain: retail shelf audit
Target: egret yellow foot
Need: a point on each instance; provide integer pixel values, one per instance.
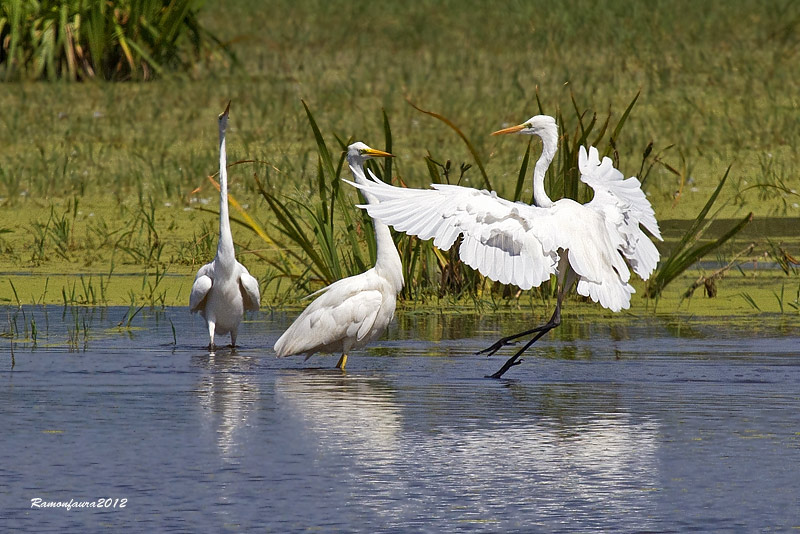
(342, 362)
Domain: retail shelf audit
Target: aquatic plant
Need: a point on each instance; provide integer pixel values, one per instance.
(77, 39)
(689, 250)
(96, 141)
(201, 248)
(309, 232)
(709, 282)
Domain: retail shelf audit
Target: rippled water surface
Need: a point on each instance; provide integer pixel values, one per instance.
(640, 425)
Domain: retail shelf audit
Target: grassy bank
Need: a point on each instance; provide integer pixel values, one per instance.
(98, 178)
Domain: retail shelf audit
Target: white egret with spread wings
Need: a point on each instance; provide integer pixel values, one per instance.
(522, 244)
(223, 289)
(353, 311)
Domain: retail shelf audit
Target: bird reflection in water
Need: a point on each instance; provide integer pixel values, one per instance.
(442, 449)
(228, 395)
(348, 412)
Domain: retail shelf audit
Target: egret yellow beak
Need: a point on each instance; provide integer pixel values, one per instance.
(375, 152)
(225, 113)
(513, 129)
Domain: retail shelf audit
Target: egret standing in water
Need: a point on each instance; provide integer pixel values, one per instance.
(353, 311)
(521, 244)
(223, 289)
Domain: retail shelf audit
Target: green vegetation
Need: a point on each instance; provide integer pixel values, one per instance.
(98, 179)
(79, 39)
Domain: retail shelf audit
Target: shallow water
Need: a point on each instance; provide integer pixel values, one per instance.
(639, 424)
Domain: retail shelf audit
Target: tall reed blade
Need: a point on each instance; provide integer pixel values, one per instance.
(612, 144)
(486, 182)
(523, 172)
(387, 134)
(683, 256)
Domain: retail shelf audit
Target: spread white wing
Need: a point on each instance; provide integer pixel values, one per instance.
(625, 207)
(510, 242)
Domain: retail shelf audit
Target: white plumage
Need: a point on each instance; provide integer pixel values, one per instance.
(223, 289)
(522, 244)
(353, 311)
(499, 239)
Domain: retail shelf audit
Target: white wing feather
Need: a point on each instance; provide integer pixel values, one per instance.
(202, 284)
(516, 243)
(625, 207)
(509, 242)
(343, 314)
(250, 292)
(593, 253)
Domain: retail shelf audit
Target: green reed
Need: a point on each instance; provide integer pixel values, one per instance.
(78, 40)
(715, 84)
(689, 250)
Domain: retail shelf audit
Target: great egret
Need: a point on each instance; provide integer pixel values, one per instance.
(516, 243)
(223, 289)
(353, 311)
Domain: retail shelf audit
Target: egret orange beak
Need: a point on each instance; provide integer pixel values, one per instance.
(374, 152)
(513, 129)
(227, 108)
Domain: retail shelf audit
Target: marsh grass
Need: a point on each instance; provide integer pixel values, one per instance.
(688, 250)
(319, 234)
(314, 229)
(78, 40)
(714, 90)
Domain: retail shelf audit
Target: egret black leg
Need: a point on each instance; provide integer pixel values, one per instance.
(566, 278)
(515, 360)
(554, 321)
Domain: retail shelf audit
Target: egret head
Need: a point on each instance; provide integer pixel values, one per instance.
(540, 125)
(359, 152)
(223, 117)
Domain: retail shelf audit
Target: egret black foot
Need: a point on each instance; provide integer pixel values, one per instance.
(497, 346)
(508, 365)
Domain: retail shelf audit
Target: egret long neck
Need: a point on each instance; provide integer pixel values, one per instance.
(225, 246)
(549, 148)
(387, 262)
